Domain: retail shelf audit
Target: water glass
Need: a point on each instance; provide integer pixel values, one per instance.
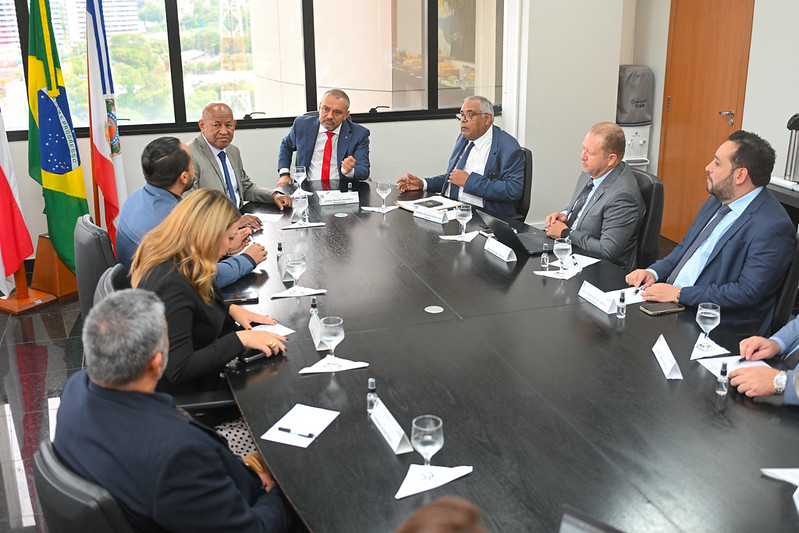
(708, 316)
(427, 437)
(332, 332)
(562, 250)
(463, 213)
(383, 189)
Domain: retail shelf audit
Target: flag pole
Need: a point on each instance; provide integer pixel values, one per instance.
(23, 298)
(95, 188)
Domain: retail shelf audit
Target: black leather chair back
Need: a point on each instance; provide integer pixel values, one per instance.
(71, 503)
(113, 279)
(786, 297)
(93, 255)
(523, 205)
(649, 234)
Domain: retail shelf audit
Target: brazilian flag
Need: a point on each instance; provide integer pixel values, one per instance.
(53, 159)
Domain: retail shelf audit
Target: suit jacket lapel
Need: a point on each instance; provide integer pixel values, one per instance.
(739, 223)
(344, 136)
(209, 155)
(453, 160)
(308, 142)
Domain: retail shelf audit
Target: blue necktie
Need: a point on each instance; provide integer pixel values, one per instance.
(705, 233)
(454, 190)
(231, 191)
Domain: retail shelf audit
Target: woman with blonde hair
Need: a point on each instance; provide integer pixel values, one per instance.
(177, 260)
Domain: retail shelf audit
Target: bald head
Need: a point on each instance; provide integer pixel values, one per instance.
(217, 124)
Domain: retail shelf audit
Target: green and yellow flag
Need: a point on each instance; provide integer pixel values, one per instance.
(53, 158)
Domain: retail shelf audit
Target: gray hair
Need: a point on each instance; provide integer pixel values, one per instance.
(485, 105)
(338, 94)
(122, 334)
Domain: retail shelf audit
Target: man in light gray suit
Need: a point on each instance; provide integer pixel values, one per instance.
(218, 163)
(604, 216)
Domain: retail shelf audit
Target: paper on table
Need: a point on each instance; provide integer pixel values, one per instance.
(300, 426)
(714, 365)
(333, 364)
(446, 203)
(277, 329)
(387, 209)
(569, 273)
(666, 359)
(415, 481)
(790, 475)
(629, 295)
(301, 225)
(465, 238)
(298, 292)
(715, 350)
(582, 261)
(270, 217)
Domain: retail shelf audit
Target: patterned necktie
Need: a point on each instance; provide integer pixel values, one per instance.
(230, 190)
(579, 203)
(454, 190)
(326, 161)
(697, 242)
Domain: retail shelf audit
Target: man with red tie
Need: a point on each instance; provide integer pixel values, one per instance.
(486, 167)
(330, 146)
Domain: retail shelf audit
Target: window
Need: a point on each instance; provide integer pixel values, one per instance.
(272, 57)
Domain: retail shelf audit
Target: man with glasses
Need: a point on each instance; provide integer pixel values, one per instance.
(218, 164)
(330, 146)
(486, 168)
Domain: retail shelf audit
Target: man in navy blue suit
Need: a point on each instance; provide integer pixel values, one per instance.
(486, 167)
(738, 249)
(330, 146)
(167, 472)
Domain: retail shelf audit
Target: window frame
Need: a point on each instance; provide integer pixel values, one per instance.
(180, 125)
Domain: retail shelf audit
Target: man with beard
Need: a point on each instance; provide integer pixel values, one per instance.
(738, 249)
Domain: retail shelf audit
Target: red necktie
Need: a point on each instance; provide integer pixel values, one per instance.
(326, 161)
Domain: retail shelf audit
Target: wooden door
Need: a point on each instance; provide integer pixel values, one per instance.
(706, 66)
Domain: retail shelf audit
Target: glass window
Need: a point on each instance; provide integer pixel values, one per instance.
(469, 50)
(246, 54)
(13, 93)
(380, 64)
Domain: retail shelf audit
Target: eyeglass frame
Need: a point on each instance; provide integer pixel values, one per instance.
(469, 116)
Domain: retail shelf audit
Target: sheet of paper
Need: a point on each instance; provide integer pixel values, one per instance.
(387, 209)
(789, 475)
(417, 481)
(581, 260)
(465, 238)
(302, 225)
(696, 353)
(390, 429)
(277, 329)
(567, 274)
(714, 365)
(666, 359)
(629, 295)
(300, 426)
(298, 292)
(270, 217)
(332, 364)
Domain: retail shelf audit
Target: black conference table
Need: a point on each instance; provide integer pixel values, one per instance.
(548, 398)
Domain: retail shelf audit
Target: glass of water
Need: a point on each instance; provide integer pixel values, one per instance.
(300, 203)
(332, 332)
(383, 189)
(298, 175)
(427, 437)
(295, 265)
(562, 250)
(463, 213)
(708, 316)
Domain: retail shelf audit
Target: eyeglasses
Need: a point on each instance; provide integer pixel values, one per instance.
(469, 116)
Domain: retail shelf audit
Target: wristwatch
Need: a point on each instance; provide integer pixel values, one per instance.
(779, 382)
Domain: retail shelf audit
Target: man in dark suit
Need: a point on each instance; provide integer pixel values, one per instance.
(329, 146)
(218, 163)
(738, 249)
(604, 215)
(167, 472)
(486, 167)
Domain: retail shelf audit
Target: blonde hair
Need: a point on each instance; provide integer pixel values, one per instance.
(188, 238)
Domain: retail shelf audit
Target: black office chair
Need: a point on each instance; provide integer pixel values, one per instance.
(199, 403)
(787, 295)
(523, 205)
(93, 255)
(71, 503)
(649, 234)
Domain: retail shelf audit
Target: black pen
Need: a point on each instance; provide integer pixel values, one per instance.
(637, 290)
(288, 430)
(742, 359)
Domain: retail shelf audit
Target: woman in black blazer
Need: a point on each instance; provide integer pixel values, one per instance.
(177, 260)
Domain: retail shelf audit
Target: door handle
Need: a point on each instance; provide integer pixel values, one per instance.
(730, 114)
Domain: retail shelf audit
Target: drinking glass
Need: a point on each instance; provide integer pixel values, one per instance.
(383, 189)
(427, 437)
(332, 332)
(298, 175)
(300, 203)
(463, 213)
(562, 250)
(708, 316)
(295, 265)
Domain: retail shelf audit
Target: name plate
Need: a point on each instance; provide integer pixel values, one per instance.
(428, 213)
(597, 297)
(388, 426)
(337, 197)
(315, 327)
(281, 269)
(494, 247)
